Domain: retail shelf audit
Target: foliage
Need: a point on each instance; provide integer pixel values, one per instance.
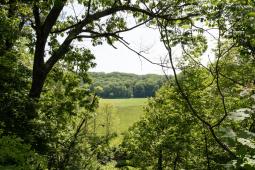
(169, 136)
(203, 117)
(16, 155)
(124, 85)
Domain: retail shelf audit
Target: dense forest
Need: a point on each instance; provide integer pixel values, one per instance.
(202, 117)
(124, 85)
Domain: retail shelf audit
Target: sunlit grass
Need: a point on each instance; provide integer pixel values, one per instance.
(125, 112)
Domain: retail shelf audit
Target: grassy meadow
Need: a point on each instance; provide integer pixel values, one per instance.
(118, 114)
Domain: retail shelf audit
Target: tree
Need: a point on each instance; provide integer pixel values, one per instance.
(185, 35)
(170, 136)
(164, 137)
(213, 95)
(124, 85)
(47, 26)
(139, 89)
(43, 134)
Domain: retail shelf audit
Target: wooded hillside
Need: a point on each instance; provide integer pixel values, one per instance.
(124, 85)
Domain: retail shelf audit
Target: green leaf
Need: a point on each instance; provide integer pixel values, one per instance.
(251, 14)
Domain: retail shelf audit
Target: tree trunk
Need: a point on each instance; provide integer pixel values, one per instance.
(160, 160)
(37, 84)
(39, 70)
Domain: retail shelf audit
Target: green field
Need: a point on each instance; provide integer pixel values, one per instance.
(123, 113)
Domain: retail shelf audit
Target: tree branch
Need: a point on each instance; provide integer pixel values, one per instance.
(52, 17)
(206, 151)
(217, 69)
(142, 56)
(77, 29)
(185, 97)
(89, 6)
(66, 157)
(65, 29)
(116, 32)
(37, 18)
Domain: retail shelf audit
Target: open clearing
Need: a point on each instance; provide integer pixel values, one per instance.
(123, 113)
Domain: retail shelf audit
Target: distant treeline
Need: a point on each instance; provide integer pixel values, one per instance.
(125, 85)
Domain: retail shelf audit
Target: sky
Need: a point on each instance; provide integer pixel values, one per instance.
(109, 59)
(123, 59)
(145, 39)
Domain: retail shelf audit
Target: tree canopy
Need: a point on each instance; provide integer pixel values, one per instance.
(123, 85)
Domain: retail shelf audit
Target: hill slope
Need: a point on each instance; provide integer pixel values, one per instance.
(125, 85)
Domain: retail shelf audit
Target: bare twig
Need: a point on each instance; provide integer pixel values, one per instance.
(89, 6)
(206, 30)
(76, 17)
(184, 50)
(142, 56)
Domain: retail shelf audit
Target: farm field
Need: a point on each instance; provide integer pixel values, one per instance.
(123, 114)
